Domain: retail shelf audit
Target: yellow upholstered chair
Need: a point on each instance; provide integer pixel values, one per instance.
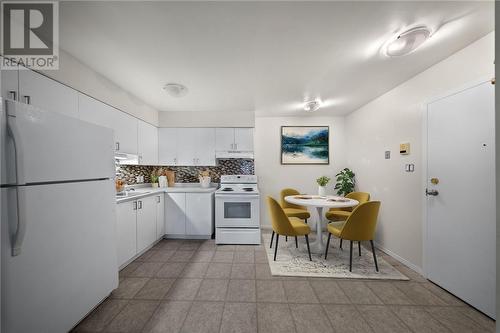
(285, 226)
(341, 214)
(359, 226)
(292, 210)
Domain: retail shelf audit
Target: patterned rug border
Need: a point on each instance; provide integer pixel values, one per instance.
(295, 263)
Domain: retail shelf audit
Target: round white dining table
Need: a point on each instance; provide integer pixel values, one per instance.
(320, 203)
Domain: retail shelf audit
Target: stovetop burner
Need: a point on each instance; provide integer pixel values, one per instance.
(227, 189)
(247, 189)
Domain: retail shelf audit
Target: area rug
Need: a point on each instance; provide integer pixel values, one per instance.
(291, 261)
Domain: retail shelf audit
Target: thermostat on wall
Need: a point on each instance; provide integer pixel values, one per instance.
(404, 148)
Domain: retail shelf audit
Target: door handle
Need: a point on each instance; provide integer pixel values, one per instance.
(431, 192)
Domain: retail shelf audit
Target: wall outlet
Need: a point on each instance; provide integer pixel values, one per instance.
(387, 154)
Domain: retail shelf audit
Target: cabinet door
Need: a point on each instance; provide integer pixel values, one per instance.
(9, 83)
(146, 222)
(147, 142)
(125, 127)
(46, 93)
(199, 214)
(175, 217)
(186, 146)
(205, 147)
(224, 139)
(167, 146)
(126, 231)
(160, 216)
(243, 139)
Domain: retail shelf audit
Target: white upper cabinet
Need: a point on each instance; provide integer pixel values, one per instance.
(167, 146)
(47, 94)
(147, 143)
(186, 146)
(243, 139)
(234, 139)
(205, 146)
(124, 126)
(10, 83)
(224, 139)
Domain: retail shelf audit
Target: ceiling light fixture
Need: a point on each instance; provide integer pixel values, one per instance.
(407, 42)
(311, 106)
(175, 89)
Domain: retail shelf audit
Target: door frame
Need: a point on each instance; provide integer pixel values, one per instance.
(425, 115)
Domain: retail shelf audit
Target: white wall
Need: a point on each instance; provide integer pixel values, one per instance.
(395, 117)
(273, 176)
(80, 77)
(206, 119)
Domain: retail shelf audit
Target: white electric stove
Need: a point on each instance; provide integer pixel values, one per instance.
(237, 210)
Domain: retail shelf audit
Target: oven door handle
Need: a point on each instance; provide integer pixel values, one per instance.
(238, 196)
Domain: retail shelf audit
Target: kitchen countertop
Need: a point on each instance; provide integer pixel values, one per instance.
(145, 190)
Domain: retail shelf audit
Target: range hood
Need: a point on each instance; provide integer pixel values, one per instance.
(229, 154)
(127, 159)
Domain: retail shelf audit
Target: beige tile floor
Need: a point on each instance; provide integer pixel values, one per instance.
(196, 286)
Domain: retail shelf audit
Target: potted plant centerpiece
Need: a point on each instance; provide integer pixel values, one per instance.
(154, 179)
(322, 182)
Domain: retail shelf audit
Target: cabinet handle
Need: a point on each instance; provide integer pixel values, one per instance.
(27, 99)
(117, 146)
(194, 160)
(135, 205)
(235, 146)
(232, 146)
(158, 199)
(175, 161)
(140, 204)
(13, 94)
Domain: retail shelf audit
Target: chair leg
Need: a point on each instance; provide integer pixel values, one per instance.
(272, 236)
(276, 246)
(327, 244)
(350, 257)
(308, 249)
(296, 242)
(305, 220)
(341, 243)
(359, 248)
(374, 255)
(286, 238)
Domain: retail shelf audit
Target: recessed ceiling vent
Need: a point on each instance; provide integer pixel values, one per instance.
(176, 89)
(407, 42)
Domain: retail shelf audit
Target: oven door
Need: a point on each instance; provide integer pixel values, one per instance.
(237, 211)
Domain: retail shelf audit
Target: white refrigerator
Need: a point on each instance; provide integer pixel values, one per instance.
(58, 242)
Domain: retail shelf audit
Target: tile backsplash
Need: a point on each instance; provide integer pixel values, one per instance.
(187, 174)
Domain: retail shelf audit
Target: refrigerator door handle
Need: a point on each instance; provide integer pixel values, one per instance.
(13, 132)
(17, 241)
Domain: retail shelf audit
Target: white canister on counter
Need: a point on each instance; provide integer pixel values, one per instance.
(205, 181)
(162, 180)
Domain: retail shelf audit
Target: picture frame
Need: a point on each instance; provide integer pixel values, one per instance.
(305, 145)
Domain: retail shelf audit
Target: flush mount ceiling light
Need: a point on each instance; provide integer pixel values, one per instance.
(407, 41)
(175, 89)
(311, 106)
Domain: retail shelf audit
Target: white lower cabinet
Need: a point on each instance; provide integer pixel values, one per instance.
(137, 226)
(160, 216)
(175, 219)
(189, 215)
(126, 217)
(146, 222)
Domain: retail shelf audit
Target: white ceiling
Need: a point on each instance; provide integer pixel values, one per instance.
(263, 56)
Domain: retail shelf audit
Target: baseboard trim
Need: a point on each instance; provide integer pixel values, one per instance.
(402, 260)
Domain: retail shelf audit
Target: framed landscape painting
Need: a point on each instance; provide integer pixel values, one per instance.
(305, 145)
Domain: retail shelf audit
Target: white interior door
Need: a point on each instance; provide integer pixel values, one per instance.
(460, 253)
